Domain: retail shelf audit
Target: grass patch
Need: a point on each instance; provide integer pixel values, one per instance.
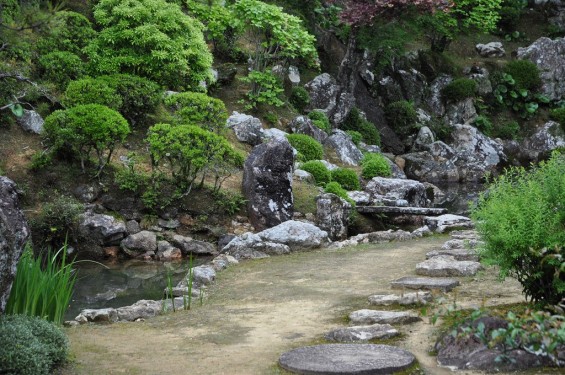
(305, 197)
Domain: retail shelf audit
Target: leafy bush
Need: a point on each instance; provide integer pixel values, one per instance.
(521, 220)
(266, 88)
(299, 98)
(375, 165)
(508, 130)
(356, 137)
(484, 124)
(229, 202)
(139, 96)
(525, 73)
(91, 91)
(347, 178)
(61, 67)
(30, 345)
(308, 148)
(199, 109)
(510, 14)
(509, 93)
(335, 188)
(402, 117)
(86, 128)
(354, 121)
(57, 220)
(317, 169)
(320, 120)
(459, 89)
(558, 114)
(67, 31)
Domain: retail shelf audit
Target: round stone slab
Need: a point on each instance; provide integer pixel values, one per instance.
(346, 359)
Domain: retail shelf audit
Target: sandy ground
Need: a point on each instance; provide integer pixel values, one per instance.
(260, 309)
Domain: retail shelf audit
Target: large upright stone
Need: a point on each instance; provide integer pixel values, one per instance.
(98, 230)
(14, 233)
(247, 129)
(323, 91)
(303, 125)
(332, 215)
(267, 183)
(399, 189)
(345, 149)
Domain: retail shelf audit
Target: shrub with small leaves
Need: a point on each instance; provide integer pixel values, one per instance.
(198, 109)
(375, 165)
(91, 91)
(67, 31)
(335, 188)
(354, 121)
(356, 137)
(266, 88)
(525, 73)
(347, 178)
(60, 68)
(402, 117)
(508, 130)
(57, 220)
(318, 170)
(299, 98)
(308, 148)
(558, 114)
(459, 89)
(320, 120)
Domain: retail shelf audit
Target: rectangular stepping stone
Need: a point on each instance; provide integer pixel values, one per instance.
(458, 254)
(404, 299)
(427, 283)
(444, 265)
(448, 222)
(465, 235)
(367, 316)
(462, 244)
(362, 333)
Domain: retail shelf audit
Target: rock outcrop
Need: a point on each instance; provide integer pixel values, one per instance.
(332, 215)
(247, 129)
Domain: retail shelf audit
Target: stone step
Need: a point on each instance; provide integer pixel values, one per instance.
(448, 222)
(404, 299)
(346, 359)
(465, 235)
(445, 266)
(366, 316)
(462, 244)
(458, 254)
(427, 283)
(400, 210)
(362, 333)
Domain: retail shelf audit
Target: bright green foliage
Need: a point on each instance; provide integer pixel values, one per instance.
(375, 165)
(558, 114)
(91, 91)
(354, 121)
(299, 98)
(43, 291)
(318, 170)
(484, 124)
(84, 129)
(522, 221)
(402, 117)
(199, 109)
(335, 188)
(525, 73)
(68, 31)
(139, 96)
(347, 178)
(30, 345)
(61, 67)
(188, 151)
(56, 221)
(356, 137)
(459, 89)
(266, 88)
(320, 120)
(152, 39)
(308, 148)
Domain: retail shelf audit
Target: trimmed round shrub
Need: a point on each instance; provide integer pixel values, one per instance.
(354, 121)
(335, 188)
(347, 178)
(194, 108)
(402, 117)
(375, 165)
(525, 73)
(521, 222)
(60, 68)
(318, 170)
(459, 89)
(308, 148)
(356, 137)
(299, 98)
(558, 114)
(91, 91)
(30, 345)
(320, 119)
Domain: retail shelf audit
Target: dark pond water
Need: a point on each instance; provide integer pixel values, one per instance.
(123, 283)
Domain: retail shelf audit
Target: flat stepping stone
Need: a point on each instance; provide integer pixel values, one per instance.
(404, 299)
(427, 283)
(458, 254)
(462, 244)
(448, 222)
(362, 333)
(445, 265)
(346, 359)
(465, 235)
(366, 316)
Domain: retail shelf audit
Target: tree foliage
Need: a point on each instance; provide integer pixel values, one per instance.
(152, 39)
(199, 109)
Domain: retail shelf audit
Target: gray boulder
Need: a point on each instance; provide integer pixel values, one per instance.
(323, 91)
(481, 77)
(434, 100)
(303, 125)
(166, 251)
(344, 147)
(492, 49)
(274, 133)
(31, 121)
(424, 166)
(462, 112)
(446, 265)
(293, 75)
(140, 243)
(448, 222)
(362, 333)
(142, 309)
(251, 246)
(267, 183)
(332, 215)
(190, 246)
(247, 129)
(367, 316)
(361, 198)
(99, 230)
(14, 234)
(548, 55)
(302, 175)
(414, 298)
(393, 188)
(296, 235)
(424, 138)
(203, 275)
(540, 144)
(413, 84)
(109, 315)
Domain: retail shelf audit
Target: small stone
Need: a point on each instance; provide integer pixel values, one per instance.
(169, 224)
(366, 316)
(427, 283)
(362, 333)
(133, 227)
(405, 299)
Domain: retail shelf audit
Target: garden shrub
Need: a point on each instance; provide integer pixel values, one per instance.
(308, 148)
(335, 188)
(508, 130)
(354, 121)
(91, 91)
(60, 68)
(525, 73)
(402, 117)
(199, 109)
(266, 88)
(67, 31)
(30, 345)
(299, 98)
(459, 89)
(318, 170)
(558, 114)
(320, 120)
(57, 220)
(347, 178)
(484, 124)
(375, 165)
(356, 137)
(521, 220)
